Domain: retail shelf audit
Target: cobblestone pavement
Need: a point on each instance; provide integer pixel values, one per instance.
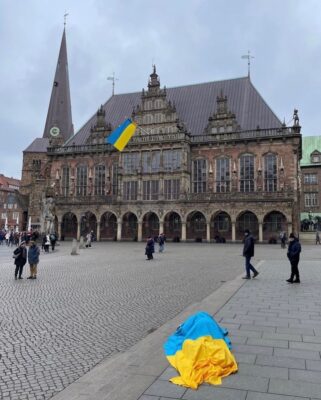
(275, 328)
(84, 308)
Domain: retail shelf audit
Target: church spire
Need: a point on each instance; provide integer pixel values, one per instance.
(59, 120)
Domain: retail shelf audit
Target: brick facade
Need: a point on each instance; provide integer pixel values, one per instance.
(209, 186)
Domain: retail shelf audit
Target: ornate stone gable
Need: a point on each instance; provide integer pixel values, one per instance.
(223, 120)
(100, 130)
(156, 114)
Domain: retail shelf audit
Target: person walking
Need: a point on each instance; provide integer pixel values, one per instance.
(33, 259)
(161, 242)
(150, 249)
(88, 239)
(248, 253)
(293, 254)
(20, 256)
(317, 238)
(53, 240)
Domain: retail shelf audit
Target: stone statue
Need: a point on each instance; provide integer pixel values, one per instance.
(48, 214)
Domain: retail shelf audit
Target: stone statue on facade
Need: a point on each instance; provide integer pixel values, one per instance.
(48, 214)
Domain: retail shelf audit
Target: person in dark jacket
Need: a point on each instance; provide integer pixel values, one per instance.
(20, 255)
(293, 254)
(248, 253)
(161, 242)
(150, 248)
(33, 259)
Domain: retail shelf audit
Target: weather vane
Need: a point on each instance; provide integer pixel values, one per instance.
(248, 57)
(113, 79)
(65, 17)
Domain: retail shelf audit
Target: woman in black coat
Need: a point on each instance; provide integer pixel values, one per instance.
(20, 255)
(150, 248)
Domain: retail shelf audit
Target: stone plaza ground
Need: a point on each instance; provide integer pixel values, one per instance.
(88, 308)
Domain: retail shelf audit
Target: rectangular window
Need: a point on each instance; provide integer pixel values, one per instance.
(130, 190)
(36, 166)
(150, 190)
(199, 176)
(270, 173)
(82, 180)
(115, 179)
(100, 178)
(223, 175)
(131, 162)
(3, 216)
(65, 181)
(311, 199)
(171, 189)
(151, 161)
(172, 160)
(15, 215)
(310, 179)
(247, 173)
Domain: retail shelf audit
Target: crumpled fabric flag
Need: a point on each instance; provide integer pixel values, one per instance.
(200, 351)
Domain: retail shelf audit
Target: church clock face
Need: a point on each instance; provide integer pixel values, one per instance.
(54, 131)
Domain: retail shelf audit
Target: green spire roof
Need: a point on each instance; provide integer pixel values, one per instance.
(309, 144)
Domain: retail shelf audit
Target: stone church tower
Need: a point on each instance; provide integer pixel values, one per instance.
(58, 129)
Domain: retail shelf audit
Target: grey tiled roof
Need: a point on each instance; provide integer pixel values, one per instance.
(39, 145)
(59, 111)
(194, 105)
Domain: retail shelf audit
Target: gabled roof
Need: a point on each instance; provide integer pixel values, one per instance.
(194, 105)
(309, 145)
(9, 183)
(39, 145)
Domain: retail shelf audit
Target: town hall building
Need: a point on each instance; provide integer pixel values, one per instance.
(207, 161)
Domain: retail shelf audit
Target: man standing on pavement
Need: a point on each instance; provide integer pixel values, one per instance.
(294, 251)
(33, 259)
(248, 253)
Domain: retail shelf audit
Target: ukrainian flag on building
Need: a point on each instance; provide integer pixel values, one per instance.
(200, 351)
(122, 135)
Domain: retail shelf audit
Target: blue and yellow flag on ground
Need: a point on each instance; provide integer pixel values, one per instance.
(200, 351)
(121, 135)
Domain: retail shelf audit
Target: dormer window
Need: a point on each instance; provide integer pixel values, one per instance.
(315, 159)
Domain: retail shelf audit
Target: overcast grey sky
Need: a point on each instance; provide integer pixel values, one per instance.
(190, 41)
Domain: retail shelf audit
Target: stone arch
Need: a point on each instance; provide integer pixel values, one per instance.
(88, 223)
(150, 225)
(69, 225)
(274, 222)
(196, 226)
(221, 227)
(173, 226)
(129, 228)
(247, 220)
(108, 226)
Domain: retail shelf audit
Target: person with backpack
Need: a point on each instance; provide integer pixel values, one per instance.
(293, 254)
(33, 259)
(20, 256)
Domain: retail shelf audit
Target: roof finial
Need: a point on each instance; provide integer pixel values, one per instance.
(65, 18)
(248, 57)
(113, 79)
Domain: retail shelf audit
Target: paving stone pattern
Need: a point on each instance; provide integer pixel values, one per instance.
(84, 308)
(276, 334)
